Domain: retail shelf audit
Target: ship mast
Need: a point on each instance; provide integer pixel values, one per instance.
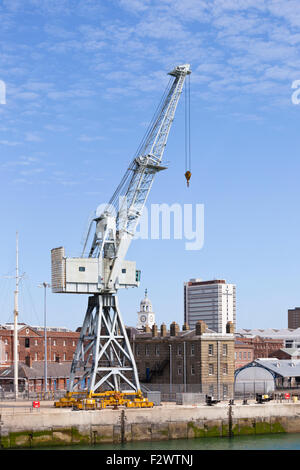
(16, 311)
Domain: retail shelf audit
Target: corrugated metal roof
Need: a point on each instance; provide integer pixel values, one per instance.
(54, 370)
(282, 367)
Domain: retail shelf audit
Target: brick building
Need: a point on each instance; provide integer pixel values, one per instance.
(61, 344)
(263, 346)
(198, 360)
(294, 318)
(243, 353)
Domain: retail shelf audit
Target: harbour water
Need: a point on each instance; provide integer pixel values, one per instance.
(257, 442)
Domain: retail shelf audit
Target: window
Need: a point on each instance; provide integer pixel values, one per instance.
(35, 342)
(179, 370)
(224, 349)
(245, 355)
(179, 350)
(35, 357)
(249, 355)
(210, 349)
(225, 369)
(210, 369)
(54, 342)
(192, 369)
(81, 269)
(147, 353)
(73, 343)
(64, 343)
(64, 356)
(137, 350)
(27, 342)
(157, 350)
(192, 349)
(225, 390)
(123, 270)
(240, 355)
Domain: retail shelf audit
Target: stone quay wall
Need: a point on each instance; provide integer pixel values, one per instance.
(23, 426)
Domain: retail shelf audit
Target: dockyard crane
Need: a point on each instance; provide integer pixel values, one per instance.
(103, 357)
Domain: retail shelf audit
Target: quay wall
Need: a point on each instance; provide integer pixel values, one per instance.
(52, 427)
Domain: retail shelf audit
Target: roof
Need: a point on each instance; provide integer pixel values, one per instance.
(281, 367)
(283, 333)
(54, 369)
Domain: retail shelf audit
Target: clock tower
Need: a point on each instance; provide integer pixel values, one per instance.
(146, 316)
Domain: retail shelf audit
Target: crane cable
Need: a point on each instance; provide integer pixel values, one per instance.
(188, 173)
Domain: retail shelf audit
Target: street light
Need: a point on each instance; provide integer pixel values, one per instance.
(45, 285)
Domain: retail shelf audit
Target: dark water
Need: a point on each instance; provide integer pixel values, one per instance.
(258, 442)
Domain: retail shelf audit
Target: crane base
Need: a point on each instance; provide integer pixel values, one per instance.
(99, 401)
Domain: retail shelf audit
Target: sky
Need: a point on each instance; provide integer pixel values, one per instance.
(82, 81)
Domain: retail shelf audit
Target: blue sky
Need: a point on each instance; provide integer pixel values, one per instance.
(83, 79)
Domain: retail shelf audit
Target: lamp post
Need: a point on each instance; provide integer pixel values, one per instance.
(45, 285)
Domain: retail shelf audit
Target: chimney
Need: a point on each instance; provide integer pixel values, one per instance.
(147, 329)
(200, 327)
(185, 327)
(174, 329)
(154, 331)
(28, 361)
(229, 327)
(163, 330)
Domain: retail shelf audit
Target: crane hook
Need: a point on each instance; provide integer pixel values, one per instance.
(188, 175)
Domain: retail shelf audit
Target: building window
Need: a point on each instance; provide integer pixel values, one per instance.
(147, 350)
(81, 269)
(210, 369)
(27, 342)
(54, 342)
(245, 355)
(179, 370)
(249, 355)
(192, 369)
(225, 369)
(235, 355)
(73, 343)
(137, 350)
(225, 349)
(240, 355)
(35, 357)
(64, 343)
(192, 349)
(64, 356)
(35, 342)
(210, 349)
(211, 390)
(5, 341)
(179, 350)
(157, 350)
(225, 390)
(6, 357)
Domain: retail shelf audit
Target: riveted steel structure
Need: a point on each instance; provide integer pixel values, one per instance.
(103, 349)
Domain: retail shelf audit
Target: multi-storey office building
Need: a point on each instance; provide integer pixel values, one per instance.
(213, 302)
(198, 360)
(294, 318)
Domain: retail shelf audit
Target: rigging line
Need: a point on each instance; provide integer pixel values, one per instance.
(189, 127)
(185, 126)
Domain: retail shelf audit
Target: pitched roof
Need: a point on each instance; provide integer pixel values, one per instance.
(54, 370)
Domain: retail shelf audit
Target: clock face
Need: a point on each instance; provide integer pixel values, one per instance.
(151, 317)
(143, 318)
